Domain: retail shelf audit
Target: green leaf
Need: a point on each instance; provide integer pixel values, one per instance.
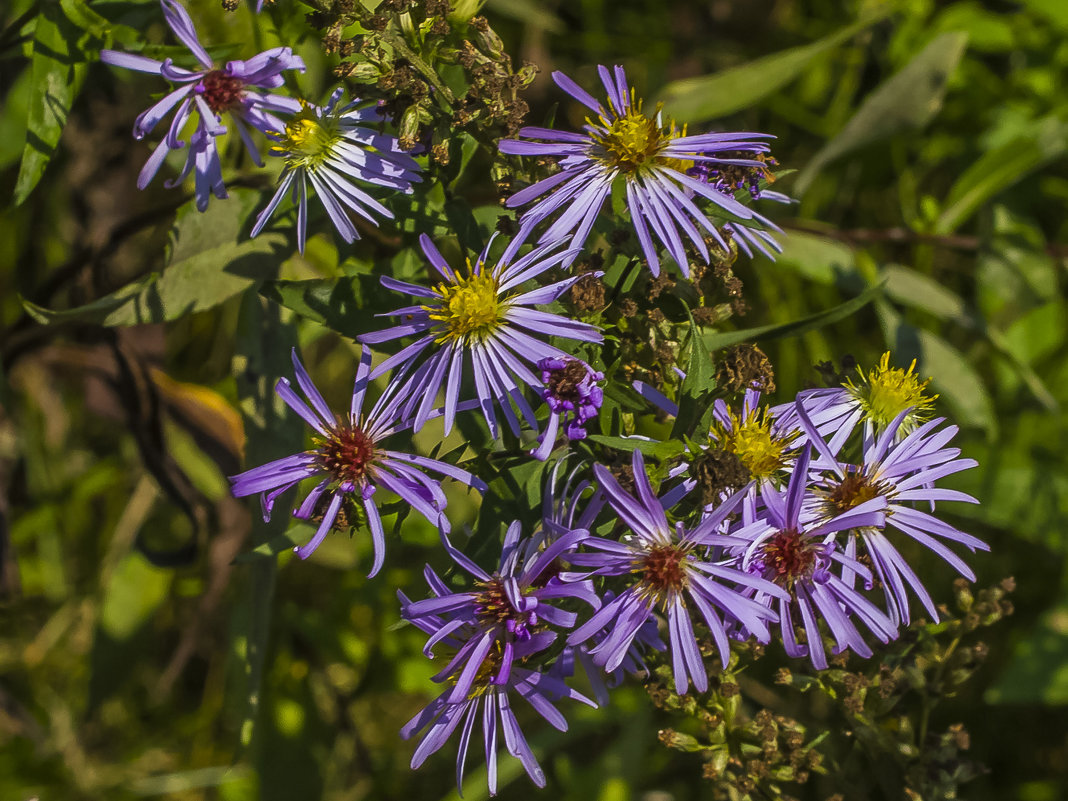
(722, 339)
(999, 169)
(906, 101)
(463, 225)
(211, 261)
(134, 591)
(530, 13)
(707, 97)
(1053, 10)
(700, 380)
(1038, 671)
(820, 259)
(295, 536)
(658, 450)
(911, 288)
(263, 345)
(68, 35)
(13, 116)
(345, 305)
(463, 149)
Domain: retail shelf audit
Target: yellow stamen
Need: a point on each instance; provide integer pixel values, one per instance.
(308, 140)
(752, 440)
(469, 308)
(633, 140)
(887, 391)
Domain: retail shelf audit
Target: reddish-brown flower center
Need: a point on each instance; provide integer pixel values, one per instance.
(853, 490)
(220, 91)
(664, 568)
(347, 453)
(491, 604)
(563, 383)
(788, 557)
(494, 608)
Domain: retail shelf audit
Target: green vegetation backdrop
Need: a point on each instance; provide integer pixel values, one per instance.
(927, 141)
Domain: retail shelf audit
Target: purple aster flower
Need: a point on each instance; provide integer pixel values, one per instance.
(670, 572)
(875, 399)
(785, 546)
(237, 89)
(764, 443)
(510, 614)
(491, 705)
(482, 317)
(657, 163)
(903, 472)
(573, 397)
(579, 656)
(744, 449)
(574, 504)
(328, 147)
(350, 463)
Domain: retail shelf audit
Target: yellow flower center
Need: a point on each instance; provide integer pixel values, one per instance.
(752, 440)
(887, 391)
(469, 308)
(308, 140)
(634, 140)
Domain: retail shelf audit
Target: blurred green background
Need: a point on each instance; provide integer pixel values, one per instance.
(928, 142)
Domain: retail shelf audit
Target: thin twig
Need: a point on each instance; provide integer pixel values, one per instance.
(904, 236)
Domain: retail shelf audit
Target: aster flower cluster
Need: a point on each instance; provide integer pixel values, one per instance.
(807, 552)
(328, 147)
(796, 525)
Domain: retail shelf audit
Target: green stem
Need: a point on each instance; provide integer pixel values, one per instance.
(928, 703)
(445, 96)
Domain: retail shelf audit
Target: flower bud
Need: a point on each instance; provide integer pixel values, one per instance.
(365, 72)
(488, 40)
(463, 10)
(409, 128)
(679, 741)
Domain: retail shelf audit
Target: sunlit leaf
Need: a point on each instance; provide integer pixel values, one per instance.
(212, 260)
(906, 101)
(722, 339)
(135, 590)
(62, 48)
(659, 450)
(707, 97)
